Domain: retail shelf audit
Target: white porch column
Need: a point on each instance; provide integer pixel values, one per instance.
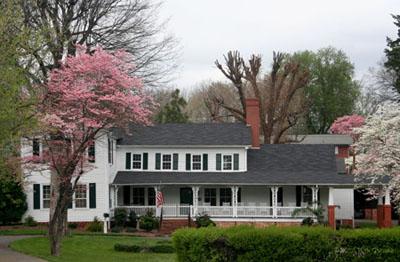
(330, 197)
(274, 191)
(315, 190)
(195, 190)
(387, 196)
(235, 190)
(116, 189)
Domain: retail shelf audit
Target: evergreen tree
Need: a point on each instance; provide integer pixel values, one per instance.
(173, 111)
(393, 54)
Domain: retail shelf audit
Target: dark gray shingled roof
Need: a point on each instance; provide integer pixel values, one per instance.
(186, 134)
(283, 164)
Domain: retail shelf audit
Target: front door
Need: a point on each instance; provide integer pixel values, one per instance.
(186, 199)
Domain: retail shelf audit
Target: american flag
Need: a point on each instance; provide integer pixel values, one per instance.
(159, 199)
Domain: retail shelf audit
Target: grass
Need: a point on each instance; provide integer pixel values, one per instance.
(91, 248)
(22, 231)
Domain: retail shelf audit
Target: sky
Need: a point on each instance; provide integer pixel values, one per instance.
(207, 29)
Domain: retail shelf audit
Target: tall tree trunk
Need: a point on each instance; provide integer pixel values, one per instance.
(58, 213)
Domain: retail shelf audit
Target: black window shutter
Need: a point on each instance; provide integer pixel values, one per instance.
(205, 162)
(239, 195)
(128, 161)
(270, 198)
(188, 162)
(175, 161)
(36, 196)
(70, 201)
(218, 161)
(158, 161)
(145, 161)
(92, 195)
(280, 195)
(235, 161)
(127, 195)
(298, 196)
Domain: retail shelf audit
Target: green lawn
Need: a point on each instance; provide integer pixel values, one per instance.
(90, 248)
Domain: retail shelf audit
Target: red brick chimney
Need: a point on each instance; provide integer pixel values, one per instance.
(253, 120)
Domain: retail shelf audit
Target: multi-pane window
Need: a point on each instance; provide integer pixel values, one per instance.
(196, 162)
(225, 196)
(307, 195)
(80, 196)
(36, 147)
(210, 196)
(151, 196)
(167, 162)
(227, 162)
(91, 152)
(136, 161)
(138, 196)
(46, 196)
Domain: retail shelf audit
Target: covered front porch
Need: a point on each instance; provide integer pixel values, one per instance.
(233, 202)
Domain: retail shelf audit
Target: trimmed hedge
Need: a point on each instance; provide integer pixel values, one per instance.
(149, 249)
(245, 243)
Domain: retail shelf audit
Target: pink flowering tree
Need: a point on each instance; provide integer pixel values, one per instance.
(83, 99)
(378, 149)
(346, 125)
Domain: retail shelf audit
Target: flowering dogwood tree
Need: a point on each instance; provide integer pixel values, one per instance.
(89, 94)
(345, 125)
(378, 149)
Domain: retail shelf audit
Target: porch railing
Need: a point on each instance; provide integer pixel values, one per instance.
(221, 211)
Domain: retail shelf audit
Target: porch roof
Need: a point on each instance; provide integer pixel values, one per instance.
(283, 164)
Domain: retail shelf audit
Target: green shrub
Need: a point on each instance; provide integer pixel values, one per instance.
(204, 221)
(13, 199)
(72, 225)
(162, 249)
(286, 244)
(132, 219)
(308, 221)
(116, 229)
(120, 216)
(148, 222)
(95, 226)
(131, 229)
(127, 248)
(30, 221)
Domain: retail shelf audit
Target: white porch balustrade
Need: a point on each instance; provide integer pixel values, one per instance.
(221, 211)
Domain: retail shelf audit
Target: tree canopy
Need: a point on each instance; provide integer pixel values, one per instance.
(331, 92)
(393, 54)
(174, 110)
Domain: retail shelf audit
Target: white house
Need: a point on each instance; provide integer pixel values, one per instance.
(219, 169)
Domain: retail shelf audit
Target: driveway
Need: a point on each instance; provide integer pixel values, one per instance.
(6, 254)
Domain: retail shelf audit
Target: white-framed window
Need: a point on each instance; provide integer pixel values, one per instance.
(36, 147)
(227, 162)
(136, 161)
(81, 196)
(167, 162)
(46, 196)
(196, 162)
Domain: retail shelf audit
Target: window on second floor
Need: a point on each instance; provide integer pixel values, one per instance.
(136, 161)
(196, 162)
(92, 152)
(36, 147)
(167, 162)
(227, 162)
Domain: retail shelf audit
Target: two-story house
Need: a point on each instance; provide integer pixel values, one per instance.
(219, 169)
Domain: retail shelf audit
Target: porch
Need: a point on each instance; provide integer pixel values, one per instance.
(224, 202)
